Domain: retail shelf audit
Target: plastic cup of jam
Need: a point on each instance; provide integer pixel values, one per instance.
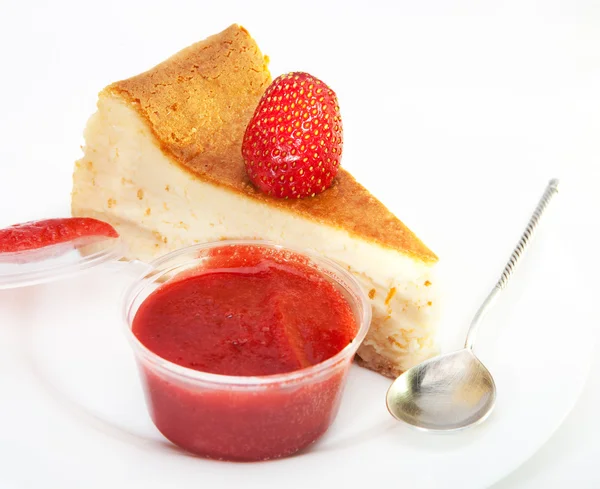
(235, 417)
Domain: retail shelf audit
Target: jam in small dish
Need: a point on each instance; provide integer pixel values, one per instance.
(244, 347)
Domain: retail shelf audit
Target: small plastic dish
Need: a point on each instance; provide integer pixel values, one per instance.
(55, 262)
(233, 417)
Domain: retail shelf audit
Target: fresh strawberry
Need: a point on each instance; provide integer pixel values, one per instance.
(293, 144)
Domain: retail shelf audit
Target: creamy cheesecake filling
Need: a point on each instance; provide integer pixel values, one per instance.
(124, 178)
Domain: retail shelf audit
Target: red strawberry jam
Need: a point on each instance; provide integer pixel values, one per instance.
(39, 234)
(249, 311)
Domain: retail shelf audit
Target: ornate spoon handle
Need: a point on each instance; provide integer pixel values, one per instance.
(513, 261)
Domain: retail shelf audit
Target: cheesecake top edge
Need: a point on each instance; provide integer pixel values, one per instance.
(197, 104)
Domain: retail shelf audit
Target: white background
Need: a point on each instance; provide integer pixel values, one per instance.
(502, 95)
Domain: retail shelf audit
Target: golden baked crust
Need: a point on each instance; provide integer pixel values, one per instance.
(383, 367)
(198, 104)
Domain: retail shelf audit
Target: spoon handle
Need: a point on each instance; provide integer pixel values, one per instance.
(514, 259)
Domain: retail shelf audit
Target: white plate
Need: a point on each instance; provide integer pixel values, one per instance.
(472, 111)
(73, 409)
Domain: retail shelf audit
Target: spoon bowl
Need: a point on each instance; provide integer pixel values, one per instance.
(447, 393)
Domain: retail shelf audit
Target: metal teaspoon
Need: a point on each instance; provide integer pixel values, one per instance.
(454, 391)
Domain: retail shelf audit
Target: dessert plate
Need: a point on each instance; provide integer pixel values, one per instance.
(73, 409)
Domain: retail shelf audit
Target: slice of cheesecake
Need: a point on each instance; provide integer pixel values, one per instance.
(162, 163)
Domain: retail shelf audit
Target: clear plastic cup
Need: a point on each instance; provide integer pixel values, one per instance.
(234, 417)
